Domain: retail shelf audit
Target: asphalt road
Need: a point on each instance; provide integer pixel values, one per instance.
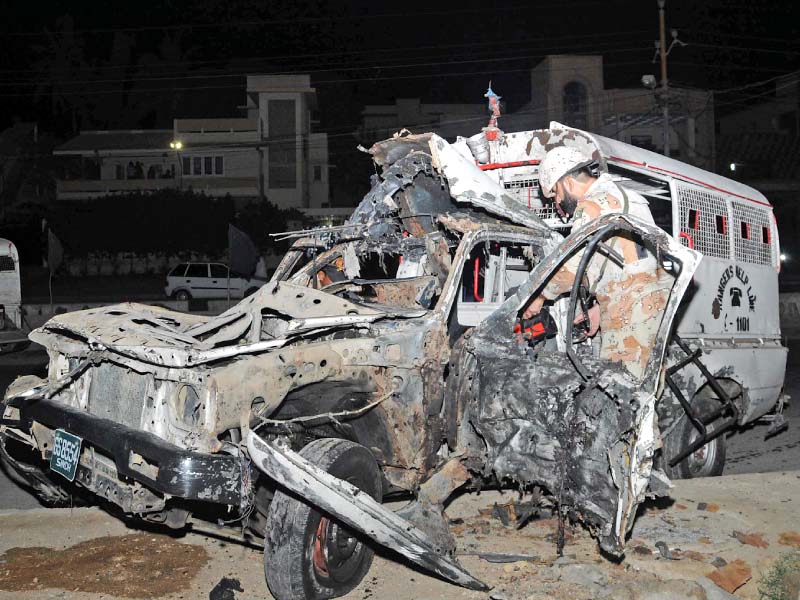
(748, 451)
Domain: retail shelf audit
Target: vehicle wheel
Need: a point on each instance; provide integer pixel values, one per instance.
(308, 555)
(707, 461)
(182, 295)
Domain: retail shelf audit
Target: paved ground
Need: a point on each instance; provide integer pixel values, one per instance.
(96, 556)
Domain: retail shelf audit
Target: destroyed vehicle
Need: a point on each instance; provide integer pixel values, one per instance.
(382, 359)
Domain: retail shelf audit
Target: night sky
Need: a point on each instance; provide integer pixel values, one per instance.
(129, 64)
(77, 65)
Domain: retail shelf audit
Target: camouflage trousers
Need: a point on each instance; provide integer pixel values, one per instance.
(632, 303)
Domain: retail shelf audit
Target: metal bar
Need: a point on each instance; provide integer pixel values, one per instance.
(702, 441)
(588, 253)
(699, 422)
(358, 510)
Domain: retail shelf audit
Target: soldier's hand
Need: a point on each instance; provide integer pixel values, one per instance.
(534, 308)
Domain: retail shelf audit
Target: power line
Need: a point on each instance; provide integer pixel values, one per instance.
(726, 34)
(745, 48)
(295, 20)
(303, 71)
(370, 51)
(133, 90)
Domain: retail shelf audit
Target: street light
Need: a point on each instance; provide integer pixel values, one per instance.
(177, 145)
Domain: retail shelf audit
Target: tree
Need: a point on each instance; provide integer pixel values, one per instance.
(171, 59)
(62, 62)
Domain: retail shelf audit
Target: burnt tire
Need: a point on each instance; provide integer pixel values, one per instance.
(307, 554)
(708, 461)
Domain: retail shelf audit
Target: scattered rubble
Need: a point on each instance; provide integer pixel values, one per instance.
(790, 538)
(751, 539)
(226, 589)
(732, 576)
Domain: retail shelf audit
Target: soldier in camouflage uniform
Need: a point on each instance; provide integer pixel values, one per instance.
(631, 299)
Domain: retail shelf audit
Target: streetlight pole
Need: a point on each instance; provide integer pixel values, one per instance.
(177, 145)
(664, 80)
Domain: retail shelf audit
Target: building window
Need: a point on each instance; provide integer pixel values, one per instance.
(574, 104)
(203, 166)
(317, 173)
(282, 129)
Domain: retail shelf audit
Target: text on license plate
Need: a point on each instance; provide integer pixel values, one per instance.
(66, 453)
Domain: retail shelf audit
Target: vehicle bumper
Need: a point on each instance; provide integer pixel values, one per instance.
(138, 455)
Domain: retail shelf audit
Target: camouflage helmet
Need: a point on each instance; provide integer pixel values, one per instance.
(559, 162)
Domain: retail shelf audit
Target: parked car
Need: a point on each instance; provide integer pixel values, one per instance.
(385, 358)
(208, 280)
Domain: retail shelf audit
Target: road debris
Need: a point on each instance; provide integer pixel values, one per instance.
(226, 589)
(502, 557)
(732, 576)
(790, 538)
(751, 539)
(665, 551)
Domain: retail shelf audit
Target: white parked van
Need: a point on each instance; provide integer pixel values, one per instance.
(729, 326)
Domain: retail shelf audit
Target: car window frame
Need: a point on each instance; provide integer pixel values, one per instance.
(189, 275)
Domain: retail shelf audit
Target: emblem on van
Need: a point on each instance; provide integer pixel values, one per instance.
(734, 284)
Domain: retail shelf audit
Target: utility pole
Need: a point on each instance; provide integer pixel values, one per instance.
(664, 80)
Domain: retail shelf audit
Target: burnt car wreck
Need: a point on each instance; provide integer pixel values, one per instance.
(380, 360)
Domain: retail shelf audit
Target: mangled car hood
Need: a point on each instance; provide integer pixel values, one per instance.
(270, 318)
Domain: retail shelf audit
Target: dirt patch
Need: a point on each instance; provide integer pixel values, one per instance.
(129, 566)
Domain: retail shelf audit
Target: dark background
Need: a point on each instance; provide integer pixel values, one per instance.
(120, 65)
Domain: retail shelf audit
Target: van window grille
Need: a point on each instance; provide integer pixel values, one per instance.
(523, 191)
(526, 192)
(751, 248)
(6, 263)
(699, 210)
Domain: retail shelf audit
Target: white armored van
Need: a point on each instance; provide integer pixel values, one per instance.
(729, 323)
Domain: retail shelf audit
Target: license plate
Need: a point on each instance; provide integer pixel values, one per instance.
(66, 454)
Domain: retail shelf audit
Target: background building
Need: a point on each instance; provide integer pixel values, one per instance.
(568, 89)
(269, 153)
(380, 121)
